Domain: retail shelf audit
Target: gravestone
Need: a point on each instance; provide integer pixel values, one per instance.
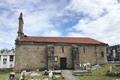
(22, 77)
(12, 76)
(50, 74)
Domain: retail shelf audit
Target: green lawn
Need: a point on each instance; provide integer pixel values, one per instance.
(99, 74)
(5, 75)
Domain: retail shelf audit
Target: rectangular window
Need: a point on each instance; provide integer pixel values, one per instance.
(11, 57)
(4, 60)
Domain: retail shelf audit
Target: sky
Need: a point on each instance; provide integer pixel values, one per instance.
(98, 19)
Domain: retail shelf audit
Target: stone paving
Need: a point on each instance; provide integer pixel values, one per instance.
(67, 74)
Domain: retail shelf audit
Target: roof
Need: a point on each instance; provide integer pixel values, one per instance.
(82, 40)
(7, 52)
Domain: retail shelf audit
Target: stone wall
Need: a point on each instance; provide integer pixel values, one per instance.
(92, 54)
(30, 57)
(66, 54)
(35, 56)
(102, 59)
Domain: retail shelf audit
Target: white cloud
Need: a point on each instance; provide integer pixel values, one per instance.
(104, 28)
(101, 19)
(93, 8)
(37, 15)
(52, 33)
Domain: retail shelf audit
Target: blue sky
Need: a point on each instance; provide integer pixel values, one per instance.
(98, 19)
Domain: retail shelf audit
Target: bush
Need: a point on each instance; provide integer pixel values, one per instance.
(113, 74)
(6, 70)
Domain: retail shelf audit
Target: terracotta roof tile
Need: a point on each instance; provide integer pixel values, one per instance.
(83, 40)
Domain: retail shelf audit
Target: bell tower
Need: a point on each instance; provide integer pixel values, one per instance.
(20, 28)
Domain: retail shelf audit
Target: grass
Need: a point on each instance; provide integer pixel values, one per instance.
(5, 75)
(100, 74)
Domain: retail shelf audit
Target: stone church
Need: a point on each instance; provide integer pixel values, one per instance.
(56, 52)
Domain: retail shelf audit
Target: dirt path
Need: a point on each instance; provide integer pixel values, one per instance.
(67, 74)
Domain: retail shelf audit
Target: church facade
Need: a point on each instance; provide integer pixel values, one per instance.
(56, 52)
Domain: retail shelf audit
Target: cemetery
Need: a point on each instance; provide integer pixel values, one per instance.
(31, 75)
(96, 72)
(101, 73)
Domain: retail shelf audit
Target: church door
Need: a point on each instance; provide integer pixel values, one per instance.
(63, 63)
